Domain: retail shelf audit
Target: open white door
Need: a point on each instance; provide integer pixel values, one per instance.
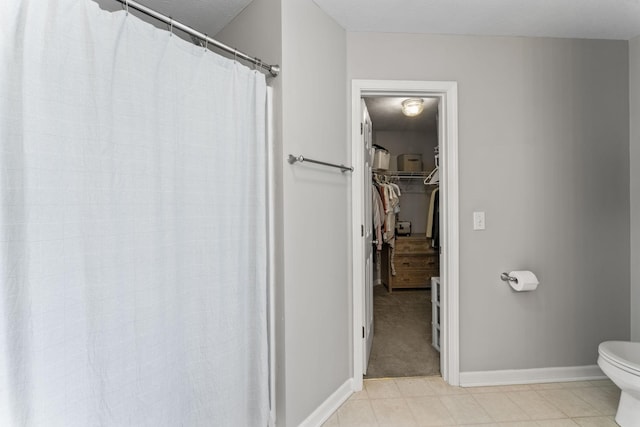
(367, 232)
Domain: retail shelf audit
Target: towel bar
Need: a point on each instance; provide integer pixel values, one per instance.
(293, 159)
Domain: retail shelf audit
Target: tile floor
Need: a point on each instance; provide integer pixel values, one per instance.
(429, 401)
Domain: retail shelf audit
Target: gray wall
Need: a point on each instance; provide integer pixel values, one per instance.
(313, 304)
(557, 108)
(317, 271)
(543, 150)
(634, 148)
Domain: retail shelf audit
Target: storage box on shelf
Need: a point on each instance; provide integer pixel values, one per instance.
(381, 159)
(410, 162)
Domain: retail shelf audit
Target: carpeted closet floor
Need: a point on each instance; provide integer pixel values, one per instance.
(402, 335)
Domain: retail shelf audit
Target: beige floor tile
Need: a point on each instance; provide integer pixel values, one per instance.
(356, 413)
(569, 403)
(358, 395)
(576, 384)
(603, 382)
(546, 386)
(382, 389)
(535, 406)
(596, 422)
(429, 402)
(500, 407)
(567, 384)
(499, 388)
(605, 399)
(412, 387)
(565, 422)
(393, 413)
(332, 421)
(518, 424)
(440, 387)
(465, 409)
(430, 411)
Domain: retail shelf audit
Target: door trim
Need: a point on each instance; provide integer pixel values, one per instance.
(448, 94)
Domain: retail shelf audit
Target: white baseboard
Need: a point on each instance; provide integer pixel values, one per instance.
(531, 376)
(329, 406)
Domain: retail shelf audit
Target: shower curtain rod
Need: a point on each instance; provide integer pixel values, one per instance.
(274, 70)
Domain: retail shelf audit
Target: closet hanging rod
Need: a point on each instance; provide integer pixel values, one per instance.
(293, 159)
(274, 70)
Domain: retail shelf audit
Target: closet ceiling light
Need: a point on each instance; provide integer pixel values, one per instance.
(412, 107)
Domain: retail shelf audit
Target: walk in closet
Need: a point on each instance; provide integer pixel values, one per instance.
(405, 217)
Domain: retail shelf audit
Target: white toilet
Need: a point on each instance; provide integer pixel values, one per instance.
(620, 361)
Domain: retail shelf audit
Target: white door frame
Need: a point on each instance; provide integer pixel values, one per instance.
(447, 92)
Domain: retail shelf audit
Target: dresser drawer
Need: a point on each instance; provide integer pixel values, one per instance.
(413, 277)
(415, 263)
(403, 262)
(413, 245)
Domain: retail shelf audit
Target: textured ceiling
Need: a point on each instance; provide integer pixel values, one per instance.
(206, 16)
(591, 19)
(386, 114)
(596, 19)
(600, 19)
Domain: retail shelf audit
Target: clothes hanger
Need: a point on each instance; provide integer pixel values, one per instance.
(433, 178)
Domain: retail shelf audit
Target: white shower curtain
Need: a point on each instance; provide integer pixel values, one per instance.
(132, 225)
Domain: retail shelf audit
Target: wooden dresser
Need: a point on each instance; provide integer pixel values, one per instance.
(415, 260)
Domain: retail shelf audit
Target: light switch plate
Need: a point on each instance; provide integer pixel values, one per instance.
(478, 221)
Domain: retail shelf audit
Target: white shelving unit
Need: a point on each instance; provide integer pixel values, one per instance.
(435, 312)
(402, 175)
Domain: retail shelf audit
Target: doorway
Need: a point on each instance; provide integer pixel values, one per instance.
(403, 135)
(445, 94)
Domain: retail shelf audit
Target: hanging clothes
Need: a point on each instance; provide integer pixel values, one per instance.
(431, 213)
(378, 215)
(389, 198)
(397, 192)
(435, 231)
(391, 201)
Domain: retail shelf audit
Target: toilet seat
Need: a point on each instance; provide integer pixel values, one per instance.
(622, 354)
(620, 361)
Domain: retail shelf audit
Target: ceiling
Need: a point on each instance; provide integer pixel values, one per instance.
(590, 19)
(595, 19)
(206, 16)
(386, 114)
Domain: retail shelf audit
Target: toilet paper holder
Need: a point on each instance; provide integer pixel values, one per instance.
(521, 281)
(505, 277)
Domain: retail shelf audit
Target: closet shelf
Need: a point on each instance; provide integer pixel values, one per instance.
(404, 174)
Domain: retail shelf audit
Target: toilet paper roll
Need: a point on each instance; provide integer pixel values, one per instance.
(525, 281)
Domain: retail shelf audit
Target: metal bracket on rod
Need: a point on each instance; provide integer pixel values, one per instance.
(507, 278)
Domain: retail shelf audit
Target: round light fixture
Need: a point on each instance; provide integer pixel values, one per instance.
(412, 107)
